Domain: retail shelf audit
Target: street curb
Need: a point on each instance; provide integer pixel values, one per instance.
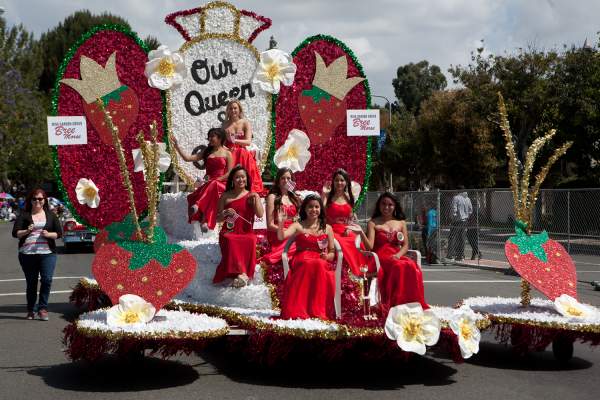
(475, 266)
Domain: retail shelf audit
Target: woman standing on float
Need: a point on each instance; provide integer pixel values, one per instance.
(239, 139)
(281, 200)
(202, 203)
(399, 280)
(237, 208)
(309, 287)
(339, 202)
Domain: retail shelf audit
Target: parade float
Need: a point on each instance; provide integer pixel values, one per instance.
(152, 287)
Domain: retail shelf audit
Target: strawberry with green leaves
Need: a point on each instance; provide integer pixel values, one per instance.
(323, 107)
(155, 271)
(542, 262)
(103, 83)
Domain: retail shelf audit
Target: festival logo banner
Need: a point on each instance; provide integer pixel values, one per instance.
(220, 61)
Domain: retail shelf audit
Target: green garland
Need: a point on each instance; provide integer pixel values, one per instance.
(367, 88)
(54, 109)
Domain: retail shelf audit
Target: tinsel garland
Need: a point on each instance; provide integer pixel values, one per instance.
(54, 108)
(90, 345)
(365, 83)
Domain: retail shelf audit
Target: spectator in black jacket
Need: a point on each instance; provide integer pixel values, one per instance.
(37, 228)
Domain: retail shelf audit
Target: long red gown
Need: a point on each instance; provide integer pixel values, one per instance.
(399, 281)
(310, 284)
(207, 196)
(238, 243)
(338, 216)
(246, 159)
(274, 256)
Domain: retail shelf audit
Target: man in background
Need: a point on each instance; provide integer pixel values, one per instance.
(461, 210)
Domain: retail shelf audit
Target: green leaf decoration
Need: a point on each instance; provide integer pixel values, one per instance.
(530, 243)
(115, 95)
(144, 252)
(125, 229)
(317, 94)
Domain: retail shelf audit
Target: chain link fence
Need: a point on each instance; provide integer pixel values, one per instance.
(571, 217)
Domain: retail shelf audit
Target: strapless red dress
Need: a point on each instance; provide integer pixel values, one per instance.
(246, 159)
(338, 216)
(400, 280)
(238, 243)
(274, 256)
(207, 196)
(310, 284)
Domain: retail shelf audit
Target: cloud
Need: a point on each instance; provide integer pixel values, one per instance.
(383, 33)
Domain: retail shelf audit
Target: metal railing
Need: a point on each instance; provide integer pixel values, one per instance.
(569, 216)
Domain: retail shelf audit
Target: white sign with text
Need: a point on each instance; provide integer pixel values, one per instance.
(67, 130)
(261, 223)
(362, 122)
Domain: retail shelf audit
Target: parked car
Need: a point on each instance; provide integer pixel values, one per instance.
(74, 233)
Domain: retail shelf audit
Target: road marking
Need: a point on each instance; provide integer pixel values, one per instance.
(53, 278)
(474, 281)
(450, 269)
(23, 294)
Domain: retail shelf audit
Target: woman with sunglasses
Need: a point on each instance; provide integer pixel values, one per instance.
(218, 160)
(237, 208)
(37, 228)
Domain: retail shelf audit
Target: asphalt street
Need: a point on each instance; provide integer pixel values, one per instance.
(33, 366)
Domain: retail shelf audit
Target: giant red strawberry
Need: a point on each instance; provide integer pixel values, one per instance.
(103, 83)
(542, 262)
(154, 271)
(323, 107)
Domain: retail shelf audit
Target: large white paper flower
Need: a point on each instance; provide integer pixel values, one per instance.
(87, 193)
(463, 324)
(294, 153)
(412, 327)
(275, 67)
(355, 188)
(165, 68)
(571, 308)
(131, 309)
(164, 159)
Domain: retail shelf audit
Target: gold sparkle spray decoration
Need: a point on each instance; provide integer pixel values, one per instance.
(123, 165)
(175, 161)
(524, 197)
(150, 155)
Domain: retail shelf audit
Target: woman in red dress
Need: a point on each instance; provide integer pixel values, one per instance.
(237, 208)
(239, 140)
(310, 283)
(202, 203)
(281, 199)
(339, 203)
(399, 279)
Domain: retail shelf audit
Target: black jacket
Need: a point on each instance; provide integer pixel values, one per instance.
(52, 225)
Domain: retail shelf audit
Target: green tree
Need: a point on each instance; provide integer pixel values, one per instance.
(455, 142)
(416, 82)
(19, 51)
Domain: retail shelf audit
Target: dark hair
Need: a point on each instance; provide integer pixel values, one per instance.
(276, 190)
(218, 132)
(303, 215)
(232, 173)
(30, 196)
(348, 189)
(398, 213)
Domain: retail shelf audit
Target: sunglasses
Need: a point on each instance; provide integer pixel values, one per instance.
(37, 199)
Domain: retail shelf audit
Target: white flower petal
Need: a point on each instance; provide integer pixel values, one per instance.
(412, 346)
(87, 193)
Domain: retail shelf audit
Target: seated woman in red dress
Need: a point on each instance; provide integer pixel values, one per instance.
(339, 203)
(239, 139)
(281, 199)
(237, 208)
(202, 203)
(399, 280)
(310, 283)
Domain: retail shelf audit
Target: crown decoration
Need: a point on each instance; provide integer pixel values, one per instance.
(96, 81)
(333, 79)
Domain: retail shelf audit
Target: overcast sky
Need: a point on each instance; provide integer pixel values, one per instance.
(384, 34)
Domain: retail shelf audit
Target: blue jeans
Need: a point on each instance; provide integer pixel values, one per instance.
(35, 265)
